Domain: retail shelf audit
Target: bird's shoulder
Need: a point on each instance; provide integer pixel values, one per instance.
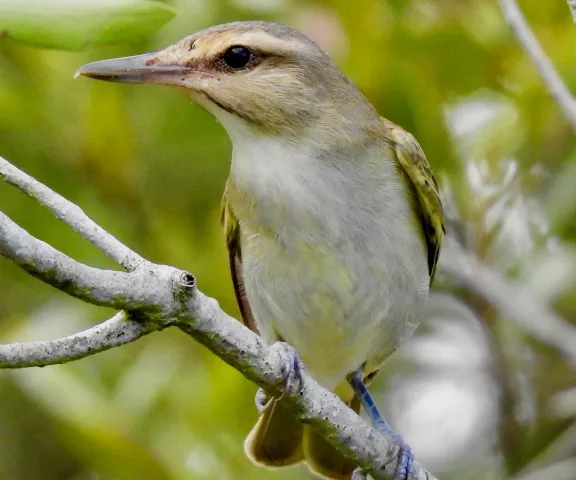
(228, 220)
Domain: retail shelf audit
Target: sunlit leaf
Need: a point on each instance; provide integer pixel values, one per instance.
(73, 25)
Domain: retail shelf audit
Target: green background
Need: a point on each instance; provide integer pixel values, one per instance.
(475, 395)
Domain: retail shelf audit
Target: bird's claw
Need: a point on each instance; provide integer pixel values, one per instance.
(292, 368)
(291, 375)
(405, 456)
(263, 401)
(405, 461)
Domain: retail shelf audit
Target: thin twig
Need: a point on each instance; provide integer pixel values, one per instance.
(512, 301)
(115, 289)
(572, 6)
(113, 332)
(534, 50)
(71, 214)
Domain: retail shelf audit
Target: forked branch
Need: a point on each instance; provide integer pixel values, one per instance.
(534, 50)
(111, 333)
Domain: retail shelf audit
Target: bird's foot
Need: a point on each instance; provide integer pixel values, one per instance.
(291, 372)
(405, 456)
(292, 368)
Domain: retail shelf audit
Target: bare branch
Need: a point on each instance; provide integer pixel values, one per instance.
(71, 214)
(572, 5)
(534, 50)
(111, 333)
(512, 301)
(120, 290)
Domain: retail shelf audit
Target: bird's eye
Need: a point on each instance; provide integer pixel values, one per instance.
(237, 57)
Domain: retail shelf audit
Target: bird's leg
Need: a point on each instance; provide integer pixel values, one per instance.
(292, 369)
(406, 460)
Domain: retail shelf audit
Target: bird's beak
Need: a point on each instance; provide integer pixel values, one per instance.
(144, 68)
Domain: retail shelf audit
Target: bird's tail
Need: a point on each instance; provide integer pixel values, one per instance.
(279, 440)
(276, 439)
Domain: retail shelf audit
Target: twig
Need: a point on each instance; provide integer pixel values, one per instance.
(512, 301)
(534, 50)
(71, 214)
(572, 5)
(119, 290)
(111, 333)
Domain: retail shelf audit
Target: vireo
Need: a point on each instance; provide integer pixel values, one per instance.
(331, 215)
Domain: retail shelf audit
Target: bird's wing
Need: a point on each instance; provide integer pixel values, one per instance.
(232, 234)
(425, 189)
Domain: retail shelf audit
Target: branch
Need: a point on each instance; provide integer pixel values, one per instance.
(160, 296)
(512, 301)
(111, 333)
(324, 411)
(71, 214)
(106, 288)
(572, 5)
(534, 50)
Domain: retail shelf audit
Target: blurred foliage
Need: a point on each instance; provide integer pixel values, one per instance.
(474, 395)
(73, 26)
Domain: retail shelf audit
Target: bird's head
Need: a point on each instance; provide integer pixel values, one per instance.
(270, 76)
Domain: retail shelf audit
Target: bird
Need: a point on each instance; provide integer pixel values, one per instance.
(331, 213)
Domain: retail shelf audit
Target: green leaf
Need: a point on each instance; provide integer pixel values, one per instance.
(75, 24)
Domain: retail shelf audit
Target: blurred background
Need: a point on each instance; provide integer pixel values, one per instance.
(475, 394)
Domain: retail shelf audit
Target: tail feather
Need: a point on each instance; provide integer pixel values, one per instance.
(279, 440)
(276, 439)
(322, 458)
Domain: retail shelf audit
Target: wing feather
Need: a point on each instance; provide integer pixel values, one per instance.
(232, 235)
(425, 189)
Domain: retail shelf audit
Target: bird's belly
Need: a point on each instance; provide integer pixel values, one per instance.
(338, 307)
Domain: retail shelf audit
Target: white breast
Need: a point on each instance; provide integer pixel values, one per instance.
(332, 258)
